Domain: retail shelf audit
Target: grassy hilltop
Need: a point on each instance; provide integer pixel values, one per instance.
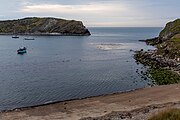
(171, 29)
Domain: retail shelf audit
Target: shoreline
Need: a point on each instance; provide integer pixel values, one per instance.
(99, 106)
(70, 100)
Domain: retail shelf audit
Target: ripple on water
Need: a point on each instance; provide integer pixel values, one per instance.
(62, 68)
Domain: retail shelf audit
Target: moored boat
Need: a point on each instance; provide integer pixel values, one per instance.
(29, 39)
(15, 36)
(22, 50)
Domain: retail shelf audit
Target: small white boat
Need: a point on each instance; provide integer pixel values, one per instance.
(29, 39)
(15, 36)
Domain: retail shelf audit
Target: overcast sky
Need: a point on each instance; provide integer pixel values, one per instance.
(119, 13)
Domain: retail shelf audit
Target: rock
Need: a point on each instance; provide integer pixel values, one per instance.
(131, 50)
(153, 41)
(43, 26)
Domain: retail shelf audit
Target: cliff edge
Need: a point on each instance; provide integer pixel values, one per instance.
(170, 30)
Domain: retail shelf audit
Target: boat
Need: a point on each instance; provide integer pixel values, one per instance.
(15, 36)
(22, 50)
(29, 39)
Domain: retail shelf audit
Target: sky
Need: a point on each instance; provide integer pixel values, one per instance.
(96, 13)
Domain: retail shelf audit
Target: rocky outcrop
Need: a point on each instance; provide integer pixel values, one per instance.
(168, 42)
(164, 62)
(171, 29)
(43, 26)
(154, 60)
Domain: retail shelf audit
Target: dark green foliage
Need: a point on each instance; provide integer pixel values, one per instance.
(164, 76)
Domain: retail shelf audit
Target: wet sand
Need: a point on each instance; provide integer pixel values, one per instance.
(138, 104)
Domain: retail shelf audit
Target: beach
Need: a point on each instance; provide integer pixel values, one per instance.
(141, 103)
(89, 60)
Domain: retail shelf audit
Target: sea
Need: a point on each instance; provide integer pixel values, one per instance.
(59, 68)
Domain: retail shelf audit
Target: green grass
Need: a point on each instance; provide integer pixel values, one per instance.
(164, 76)
(171, 27)
(172, 114)
(175, 40)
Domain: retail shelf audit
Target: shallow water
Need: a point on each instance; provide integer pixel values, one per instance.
(58, 68)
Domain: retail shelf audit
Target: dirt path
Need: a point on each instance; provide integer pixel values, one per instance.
(165, 96)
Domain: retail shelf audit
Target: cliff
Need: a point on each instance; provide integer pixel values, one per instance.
(168, 42)
(43, 26)
(171, 29)
(165, 60)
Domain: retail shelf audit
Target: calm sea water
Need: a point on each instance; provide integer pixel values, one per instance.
(58, 68)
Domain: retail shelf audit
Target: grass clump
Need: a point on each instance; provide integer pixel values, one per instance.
(175, 40)
(164, 76)
(172, 114)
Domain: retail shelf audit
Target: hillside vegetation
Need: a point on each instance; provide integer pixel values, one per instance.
(171, 29)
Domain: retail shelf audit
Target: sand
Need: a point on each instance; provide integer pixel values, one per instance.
(138, 104)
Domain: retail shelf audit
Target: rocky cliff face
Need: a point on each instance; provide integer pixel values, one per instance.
(168, 42)
(40, 26)
(171, 29)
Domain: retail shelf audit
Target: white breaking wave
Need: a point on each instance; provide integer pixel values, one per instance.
(109, 46)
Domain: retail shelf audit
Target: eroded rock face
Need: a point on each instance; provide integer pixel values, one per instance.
(171, 29)
(51, 26)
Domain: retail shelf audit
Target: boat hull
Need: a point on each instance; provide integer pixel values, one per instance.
(29, 39)
(15, 37)
(22, 50)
